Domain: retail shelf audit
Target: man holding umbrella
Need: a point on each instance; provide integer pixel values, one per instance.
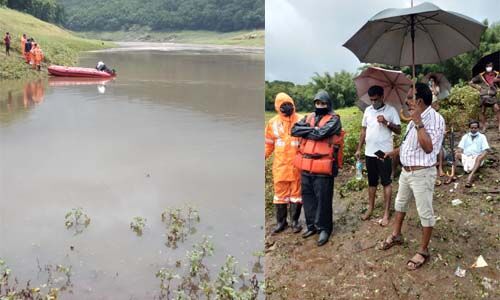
(487, 83)
(418, 153)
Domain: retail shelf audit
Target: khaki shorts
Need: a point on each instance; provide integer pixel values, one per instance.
(418, 185)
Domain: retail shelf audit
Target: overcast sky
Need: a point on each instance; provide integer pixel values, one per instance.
(306, 36)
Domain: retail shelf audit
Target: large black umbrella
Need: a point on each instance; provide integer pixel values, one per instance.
(481, 64)
(418, 35)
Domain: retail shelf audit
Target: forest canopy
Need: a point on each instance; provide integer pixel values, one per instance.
(215, 15)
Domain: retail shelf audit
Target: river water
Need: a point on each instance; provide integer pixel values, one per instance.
(176, 127)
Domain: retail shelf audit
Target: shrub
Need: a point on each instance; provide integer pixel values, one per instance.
(461, 106)
(352, 128)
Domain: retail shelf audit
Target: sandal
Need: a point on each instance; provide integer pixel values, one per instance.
(418, 264)
(468, 185)
(380, 222)
(450, 179)
(391, 241)
(438, 182)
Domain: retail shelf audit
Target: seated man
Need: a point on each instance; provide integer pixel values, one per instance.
(472, 150)
(102, 67)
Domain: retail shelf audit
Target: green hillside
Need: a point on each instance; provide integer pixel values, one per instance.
(59, 46)
(164, 15)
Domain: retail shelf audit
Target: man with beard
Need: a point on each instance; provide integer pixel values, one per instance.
(286, 177)
(319, 158)
(418, 154)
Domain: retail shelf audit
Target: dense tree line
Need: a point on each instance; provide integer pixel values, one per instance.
(110, 15)
(47, 10)
(341, 85)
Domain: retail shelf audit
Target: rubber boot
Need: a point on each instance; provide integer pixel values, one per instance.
(295, 209)
(281, 212)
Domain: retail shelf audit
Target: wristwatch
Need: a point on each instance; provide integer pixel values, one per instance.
(418, 126)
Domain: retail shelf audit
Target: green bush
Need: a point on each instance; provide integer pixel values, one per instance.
(461, 106)
(352, 128)
(353, 185)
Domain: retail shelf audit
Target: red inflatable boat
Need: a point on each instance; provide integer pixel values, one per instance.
(78, 72)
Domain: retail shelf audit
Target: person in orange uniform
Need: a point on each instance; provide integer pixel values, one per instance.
(319, 157)
(286, 177)
(37, 56)
(27, 50)
(23, 43)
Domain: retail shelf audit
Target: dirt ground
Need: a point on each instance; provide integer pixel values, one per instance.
(349, 266)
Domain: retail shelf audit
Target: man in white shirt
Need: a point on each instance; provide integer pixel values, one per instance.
(418, 153)
(380, 120)
(472, 151)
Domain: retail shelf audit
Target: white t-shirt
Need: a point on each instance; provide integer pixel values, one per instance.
(378, 136)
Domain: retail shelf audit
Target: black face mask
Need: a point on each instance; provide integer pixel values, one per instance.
(378, 104)
(287, 109)
(321, 111)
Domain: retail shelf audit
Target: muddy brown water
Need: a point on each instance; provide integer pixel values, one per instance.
(174, 128)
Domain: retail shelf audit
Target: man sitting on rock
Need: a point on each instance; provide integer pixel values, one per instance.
(472, 151)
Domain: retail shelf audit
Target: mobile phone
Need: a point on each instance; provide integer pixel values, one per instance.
(380, 154)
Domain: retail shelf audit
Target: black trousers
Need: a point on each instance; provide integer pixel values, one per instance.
(317, 199)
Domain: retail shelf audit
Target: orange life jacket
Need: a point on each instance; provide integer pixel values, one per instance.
(317, 157)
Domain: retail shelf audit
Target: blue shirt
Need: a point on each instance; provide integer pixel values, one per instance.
(474, 146)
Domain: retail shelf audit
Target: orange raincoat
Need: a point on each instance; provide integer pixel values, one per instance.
(286, 176)
(23, 44)
(37, 56)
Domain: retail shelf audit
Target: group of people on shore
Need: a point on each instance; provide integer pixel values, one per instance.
(30, 50)
(308, 154)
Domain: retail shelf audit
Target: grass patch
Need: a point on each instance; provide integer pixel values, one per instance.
(59, 46)
(254, 38)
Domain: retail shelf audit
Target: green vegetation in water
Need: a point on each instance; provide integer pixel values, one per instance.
(193, 282)
(179, 224)
(59, 46)
(58, 280)
(196, 282)
(247, 38)
(138, 224)
(76, 219)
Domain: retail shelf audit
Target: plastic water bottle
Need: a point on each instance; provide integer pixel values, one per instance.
(359, 170)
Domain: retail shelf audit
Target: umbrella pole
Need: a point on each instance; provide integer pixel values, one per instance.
(412, 32)
(413, 50)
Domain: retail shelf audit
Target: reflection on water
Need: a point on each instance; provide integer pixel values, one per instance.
(17, 99)
(170, 130)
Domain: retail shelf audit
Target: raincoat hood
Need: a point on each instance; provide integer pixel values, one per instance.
(323, 96)
(280, 99)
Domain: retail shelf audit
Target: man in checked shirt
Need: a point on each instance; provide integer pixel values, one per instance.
(418, 153)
